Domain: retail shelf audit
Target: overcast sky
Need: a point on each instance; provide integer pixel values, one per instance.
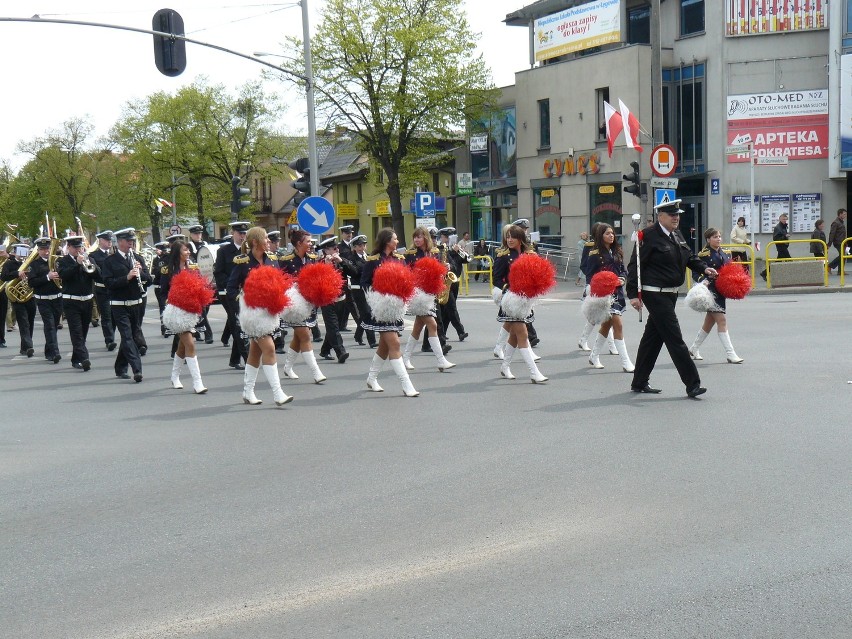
(55, 72)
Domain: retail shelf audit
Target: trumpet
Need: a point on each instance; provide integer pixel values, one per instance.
(86, 263)
(462, 253)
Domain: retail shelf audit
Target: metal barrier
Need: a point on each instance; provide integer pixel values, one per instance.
(810, 258)
(750, 261)
(464, 285)
(843, 258)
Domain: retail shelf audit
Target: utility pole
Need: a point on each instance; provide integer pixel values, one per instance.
(656, 76)
(313, 159)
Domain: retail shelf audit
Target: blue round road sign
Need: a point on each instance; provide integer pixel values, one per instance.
(315, 215)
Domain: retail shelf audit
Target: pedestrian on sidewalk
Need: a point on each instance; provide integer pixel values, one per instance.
(836, 235)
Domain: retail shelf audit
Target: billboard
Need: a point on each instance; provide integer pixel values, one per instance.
(846, 112)
(757, 17)
(495, 157)
(793, 124)
(583, 27)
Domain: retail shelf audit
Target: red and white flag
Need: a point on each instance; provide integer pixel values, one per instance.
(614, 126)
(631, 127)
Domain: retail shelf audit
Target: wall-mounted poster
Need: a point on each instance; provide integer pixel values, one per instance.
(740, 208)
(757, 17)
(771, 208)
(807, 209)
(582, 27)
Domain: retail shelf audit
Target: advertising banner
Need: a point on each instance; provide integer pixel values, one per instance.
(791, 124)
(757, 17)
(578, 28)
(846, 112)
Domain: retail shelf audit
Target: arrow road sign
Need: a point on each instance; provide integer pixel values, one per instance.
(315, 214)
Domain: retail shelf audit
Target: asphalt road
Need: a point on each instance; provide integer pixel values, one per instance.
(483, 508)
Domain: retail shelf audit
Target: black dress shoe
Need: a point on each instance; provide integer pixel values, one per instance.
(30, 352)
(86, 365)
(239, 367)
(281, 350)
(317, 339)
(695, 391)
(142, 351)
(341, 359)
(111, 346)
(224, 344)
(373, 345)
(96, 323)
(645, 389)
(360, 342)
(137, 377)
(56, 358)
(326, 356)
(2, 344)
(534, 342)
(462, 337)
(122, 375)
(209, 340)
(426, 348)
(446, 348)
(77, 365)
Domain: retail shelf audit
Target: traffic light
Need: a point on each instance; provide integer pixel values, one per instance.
(169, 53)
(634, 188)
(303, 184)
(237, 201)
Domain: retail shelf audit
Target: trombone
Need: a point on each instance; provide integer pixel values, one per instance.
(86, 263)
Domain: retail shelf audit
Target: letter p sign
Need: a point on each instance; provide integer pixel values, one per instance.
(424, 204)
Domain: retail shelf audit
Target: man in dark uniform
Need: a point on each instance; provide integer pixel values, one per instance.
(664, 256)
(24, 311)
(456, 259)
(331, 312)
(359, 259)
(124, 274)
(45, 284)
(196, 241)
(4, 301)
(101, 296)
(273, 243)
(441, 256)
(349, 306)
(160, 260)
(76, 271)
(221, 272)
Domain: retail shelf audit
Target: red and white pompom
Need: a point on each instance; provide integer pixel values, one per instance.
(700, 297)
(320, 283)
(497, 295)
(264, 298)
(733, 282)
(596, 307)
(299, 309)
(393, 287)
(530, 277)
(189, 293)
(429, 275)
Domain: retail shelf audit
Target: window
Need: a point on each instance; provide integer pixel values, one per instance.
(848, 16)
(360, 193)
(601, 96)
(691, 16)
(544, 124)
(683, 114)
(436, 183)
(639, 25)
(344, 197)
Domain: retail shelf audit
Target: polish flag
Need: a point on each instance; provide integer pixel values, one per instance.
(614, 126)
(631, 133)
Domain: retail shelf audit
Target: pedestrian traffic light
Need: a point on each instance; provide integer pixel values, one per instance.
(237, 201)
(169, 53)
(634, 188)
(303, 184)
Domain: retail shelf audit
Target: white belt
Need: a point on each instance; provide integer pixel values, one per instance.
(225, 292)
(660, 289)
(127, 303)
(355, 287)
(156, 286)
(79, 298)
(48, 297)
(101, 284)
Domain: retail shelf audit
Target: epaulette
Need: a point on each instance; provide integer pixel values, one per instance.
(398, 256)
(704, 253)
(272, 256)
(241, 259)
(164, 269)
(594, 252)
(530, 250)
(502, 251)
(726, 251)
(193, 267)
(373, 258)
(590, 243)
(411, 251)
(287, 257)
(435, 249)
(313, 256)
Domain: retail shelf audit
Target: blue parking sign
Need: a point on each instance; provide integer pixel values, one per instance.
(424, 204)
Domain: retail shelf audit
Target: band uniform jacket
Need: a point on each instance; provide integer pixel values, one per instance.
(10, 271)
(37, 278)
(75, 280)
(502, 263)
(664, 260)
(456, 261)
(224, 264)
(97, 257)
(115, 270)
(292, 263)
(371, 263)
(243, 264)
(414, 254)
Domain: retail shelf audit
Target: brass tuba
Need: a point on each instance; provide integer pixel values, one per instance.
(18, 290)
(51, 261)
(449, 279)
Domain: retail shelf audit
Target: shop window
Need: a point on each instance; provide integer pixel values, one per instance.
(639, 25)
(544, 124)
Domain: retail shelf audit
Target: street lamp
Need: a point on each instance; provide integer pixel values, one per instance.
(309, 91)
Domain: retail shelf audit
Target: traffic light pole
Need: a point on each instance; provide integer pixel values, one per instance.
(309, 91)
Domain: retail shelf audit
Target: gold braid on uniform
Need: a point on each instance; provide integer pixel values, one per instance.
(241, 259)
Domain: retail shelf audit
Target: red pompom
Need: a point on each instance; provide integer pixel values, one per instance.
(265, 287)
(320, 283)
(429, 275)
(531, 275)
(394, 278)
(604, 283)
(640, 235)
(190, 292)
(733, 282)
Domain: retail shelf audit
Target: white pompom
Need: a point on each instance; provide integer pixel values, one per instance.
(700, 298)
(385, 308)
(517, 306)
(497, 295)
(596, 310)
(256, 322)
(421, 303)
(178, 320)
(299, 309)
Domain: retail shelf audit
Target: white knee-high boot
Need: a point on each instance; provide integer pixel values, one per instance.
(502, 338)
(626, 364)
(699, 340)
(730, 353)
(195, 371)
(610, 342)
(583, 342)
(375, 368)
(249, 378)
(508, 354)
(443, 363)
(278, 394)
(177, 362)
(311, 361)
(535, 375)
(409, 349)
(289, 360)
(594, 356)
(402, 375)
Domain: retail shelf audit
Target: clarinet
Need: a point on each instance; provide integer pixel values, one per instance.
(138, 280)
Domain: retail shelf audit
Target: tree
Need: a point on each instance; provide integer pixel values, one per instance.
(401, 74)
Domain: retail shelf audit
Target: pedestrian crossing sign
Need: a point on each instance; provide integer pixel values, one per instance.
(661, 196)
